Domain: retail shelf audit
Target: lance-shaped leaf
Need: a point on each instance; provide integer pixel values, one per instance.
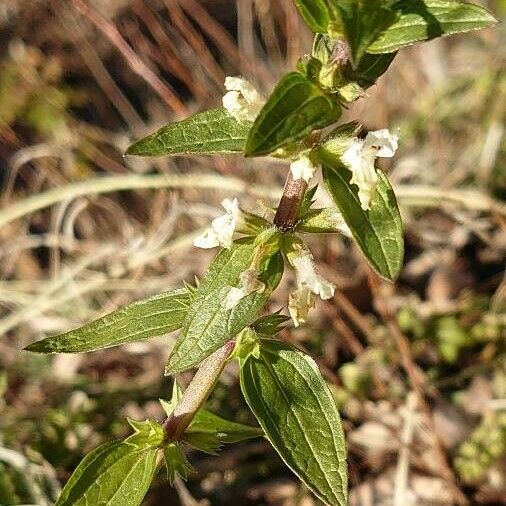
(208, 432)
(378, 231)
(295, 108)
(144, 319)
(176, 463)
(117, 473)
(270, 325)
(214, 131)
(424, 20)
(363, 21)
(315, 14)
(370, 68)
(322, 221)
(293, 404)
(209, 324)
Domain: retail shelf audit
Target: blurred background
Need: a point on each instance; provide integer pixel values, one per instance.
(417, 368)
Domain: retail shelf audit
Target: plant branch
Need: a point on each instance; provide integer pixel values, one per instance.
(198, 391)
(289, 205)
(211, 368)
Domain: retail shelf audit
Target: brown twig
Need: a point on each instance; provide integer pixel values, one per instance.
(417, 380)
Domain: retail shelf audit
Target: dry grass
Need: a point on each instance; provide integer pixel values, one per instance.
(83, 231)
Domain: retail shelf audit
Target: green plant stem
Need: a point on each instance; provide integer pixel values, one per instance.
(198, 391)
(211, 368)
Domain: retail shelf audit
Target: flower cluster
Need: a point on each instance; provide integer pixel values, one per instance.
(244, 103)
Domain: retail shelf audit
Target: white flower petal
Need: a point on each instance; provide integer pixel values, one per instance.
(306, 274)
(221, 232)
(249, 284)
(360, 157)
(299, 303)
(383, 142)
(242, 101)
(231, 206)
(361, 163)
(303, 168)
(245, 88)
(207, 240)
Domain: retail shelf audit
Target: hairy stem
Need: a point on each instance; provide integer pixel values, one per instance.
(198, 391)
(211, 368)
(288, 208)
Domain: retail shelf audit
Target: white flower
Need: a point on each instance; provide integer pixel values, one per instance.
(299, 303)
(360, 157)
(309, 284)
(242, 101)
(303, 168)
(249, 284)
(222, 229)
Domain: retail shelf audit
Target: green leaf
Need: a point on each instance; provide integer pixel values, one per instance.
(176, 463)
(270, 325)
(114, 474)
(214, 131)
(144, 319)
(208, 432)
(370, 68)
(177, 394)
(147, 433)
(315, 14)
(307, 201)
(424, 20)
(208, 324)
(378, 231)
(363, 21)
(321, 221)
(295, 108)
(294, 406)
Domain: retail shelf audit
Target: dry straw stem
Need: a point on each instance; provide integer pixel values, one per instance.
(409, 196)
(136, 64)
(58, 293)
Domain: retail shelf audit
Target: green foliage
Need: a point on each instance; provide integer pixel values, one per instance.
(295, 108)
(315, 14)
(424, 20)
(378, 231)
(485, 446)
(208, 323)
(176, 462)
(355, 42)
(321, 221)
(113, 474)
(286, 392)
(270, 325)
(370, 68)
(207, 432)
(363, 21)
(214, 131)
(144, 319)
(116, 473)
